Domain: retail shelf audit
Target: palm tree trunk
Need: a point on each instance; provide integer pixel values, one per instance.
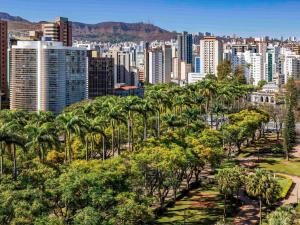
(224, 210)
(69, 148)
(260, 211)
(2, 158)
(128, 131)
(103, 148)
(119, 140)
(113, 139)
(158, 124)
(66, 148)
(15, 161)
(86, 148)
(145, 127)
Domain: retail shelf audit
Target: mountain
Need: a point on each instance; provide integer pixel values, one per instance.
(105, 31)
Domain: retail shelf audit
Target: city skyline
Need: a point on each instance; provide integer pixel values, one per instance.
(273, 18)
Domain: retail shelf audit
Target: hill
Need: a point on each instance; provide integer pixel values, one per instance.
(104, 31)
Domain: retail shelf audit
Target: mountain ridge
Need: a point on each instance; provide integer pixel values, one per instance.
(108, 31)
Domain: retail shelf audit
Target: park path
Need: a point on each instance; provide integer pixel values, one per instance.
(249, 211)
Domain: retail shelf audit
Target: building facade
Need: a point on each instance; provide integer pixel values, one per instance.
(3, 59)
(101, 75)
(185, 47)
(47, 76)
(211, 54)
(60, 30)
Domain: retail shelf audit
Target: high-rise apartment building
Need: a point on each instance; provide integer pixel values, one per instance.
(160, 64)
(60, 30)
(47, 76)
(3, 59)
(185, 47)
(255, 70)
(122, 64)
(211, 54)
(101, 75)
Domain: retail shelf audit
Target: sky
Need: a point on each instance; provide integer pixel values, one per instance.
(256, 18)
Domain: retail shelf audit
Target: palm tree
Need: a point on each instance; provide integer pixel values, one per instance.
(162, 102)
(41, 138)
(129, 106)
(262, 185)
(70, 124)
(145, 107)
(11, 137)
(208, 89)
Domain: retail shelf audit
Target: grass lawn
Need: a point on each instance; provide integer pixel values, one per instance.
(201, 206)
(280, 165)
(285, 184)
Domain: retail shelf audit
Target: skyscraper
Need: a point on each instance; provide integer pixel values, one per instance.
(46, 76)
(122, 64)
(3, 59)
(146, 63)
(211, 54)
(101, 75)
(60, 30)
(160, 64)
(185, 47)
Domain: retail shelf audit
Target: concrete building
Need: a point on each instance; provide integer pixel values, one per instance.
(211, 54)
(47, 76)
(122, 63)
(255, 71)
(3, 60)
(185, 69)
(60, 30)
(160, 64)
(195, 77)
(185, 47)
(101, 75)
(291, 66)
(197, 65)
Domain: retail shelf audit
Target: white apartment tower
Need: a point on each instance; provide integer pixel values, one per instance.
(47, 76)
(211, 54)
(160, 64)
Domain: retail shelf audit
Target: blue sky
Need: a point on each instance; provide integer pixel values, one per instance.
(243, 17)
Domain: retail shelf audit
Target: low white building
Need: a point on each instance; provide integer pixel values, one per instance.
(195, 77)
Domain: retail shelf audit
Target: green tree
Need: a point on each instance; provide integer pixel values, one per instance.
(224, 70)
(229, 182)
(262, 185)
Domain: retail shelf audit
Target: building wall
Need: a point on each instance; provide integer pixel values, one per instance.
(211, 54)
(101, 76)
(3, 59)
(47, 76)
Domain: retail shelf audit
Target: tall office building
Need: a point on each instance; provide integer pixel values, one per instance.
(47, 76)
(60, 30)
(122, 64)
(211, 54)
(160, 64)
(146, 63)
(3, 59)
(101, 75)
(185, 47)
(197, 65)
(272, 63)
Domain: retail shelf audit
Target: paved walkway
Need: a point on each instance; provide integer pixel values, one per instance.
(249, 212)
